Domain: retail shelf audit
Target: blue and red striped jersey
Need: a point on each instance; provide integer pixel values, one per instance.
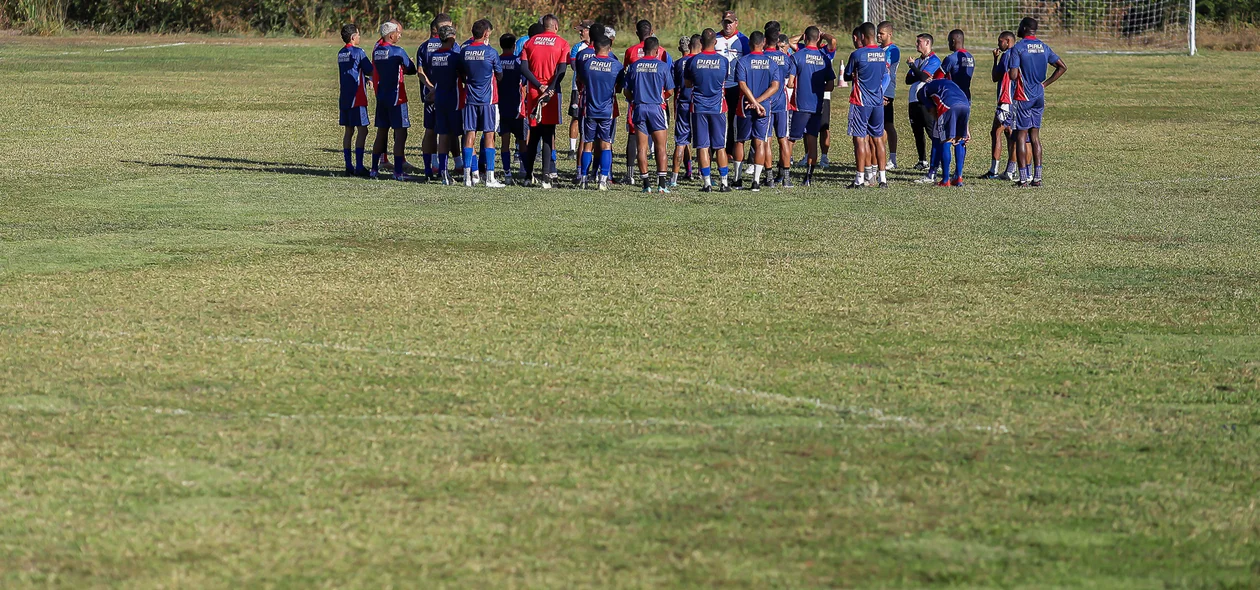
(959, 67)
(648, 78)
(1033, 58)
(868, 67)
(707, 72)
(813, 72)
(478, 64)
(443, 68)
(354, 67)
(602, 77)
(392, 65)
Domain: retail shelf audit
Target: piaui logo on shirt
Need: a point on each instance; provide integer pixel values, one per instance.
(550, 41)
(599, 65)
(381, 54)
(708, 63)
(876, 57)
(814, 59)
(474, 56)
(1036, 48)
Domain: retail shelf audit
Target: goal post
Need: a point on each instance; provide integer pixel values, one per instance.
(1103, 26)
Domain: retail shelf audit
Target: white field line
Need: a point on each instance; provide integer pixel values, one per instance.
(181, 44)
(881, 417)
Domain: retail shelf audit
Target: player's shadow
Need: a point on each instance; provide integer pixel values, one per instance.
(237, 165)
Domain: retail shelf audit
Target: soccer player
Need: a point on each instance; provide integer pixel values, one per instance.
(583, 29)
(511, 124)
(778, 105)
(953, 111)
(428, 144)
(682, 108)
(1030, 60)
(959, 65)
(643, 30)
(479, 69)
(706, 76)
(443, 74)
(391, 65)
(921, 69)
(648, 80)
(867, 69)
(601, 78)
(827, 44)
(814, 77)
(579, 96)
(890, 90)
(544, 60)
(759, 79)
(353, 66)
(1003, 122)
(732, 45)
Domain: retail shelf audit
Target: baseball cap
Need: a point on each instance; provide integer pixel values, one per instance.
(583, 25)
(729, 15)
(610, 32)
(388, 28)
(446, 32)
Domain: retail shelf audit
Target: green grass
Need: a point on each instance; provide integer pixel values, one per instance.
(220, 366)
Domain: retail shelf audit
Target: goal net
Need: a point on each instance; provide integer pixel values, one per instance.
(1089, 25)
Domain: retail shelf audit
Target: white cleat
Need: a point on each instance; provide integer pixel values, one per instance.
(468, 180)
(926, 180)
(603, 184)
(891, 166)
(494, 183)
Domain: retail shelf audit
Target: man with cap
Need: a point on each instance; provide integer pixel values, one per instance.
(583, 29)
(391, 66)
(732, 45)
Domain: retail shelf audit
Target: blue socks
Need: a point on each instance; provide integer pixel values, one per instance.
(936, 159)
(358, 159)
(944, 160)
(960, 155)
(398, 167)
(490, 159)
(585, 166)
(605, 163)
(349, 167)
(376, 161)
(470, 161)
(507, 162)
(707, 174)
(1037, 173)
(428, 164)
(442, 163)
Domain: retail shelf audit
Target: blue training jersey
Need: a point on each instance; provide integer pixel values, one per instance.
(510, 95)
(813, 72)
(391, 66)
(422, 57)
(758, 72)
(648, 79)
(787, 69)
(478, 64)
(353, 65)
(602, 76)
(580, 58)
(1033, 58)
(680, 74)
(868, 68)
(707, 72)
(959, 67)
(944, 95)
(894, 62)
(443, 68)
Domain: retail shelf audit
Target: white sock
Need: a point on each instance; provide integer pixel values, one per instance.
(883, 176)
(573, 145)
(861, 178)
(726, 180)
(708, 180)
(757, 168)
(993, 169)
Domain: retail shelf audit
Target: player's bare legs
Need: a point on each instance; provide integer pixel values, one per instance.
(785, 161)
(861, 153)
(1023, 154)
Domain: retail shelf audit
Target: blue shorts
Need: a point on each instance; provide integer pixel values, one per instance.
(650, 118)
(743, 128)
(448, 122)
(757, 127)
(952, 124)
(779, 123)
(514, 126)
(481, 118)
(392, 117)
(866, 121)
(598, 130)
(709, 130)
(429, 109)
(682, 125)
(805, 124)
(1028, 113)
(354, 117)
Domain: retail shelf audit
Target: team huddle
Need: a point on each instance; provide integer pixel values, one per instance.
(728, 101)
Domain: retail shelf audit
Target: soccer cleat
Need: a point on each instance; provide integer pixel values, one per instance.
(348, 173)
(1007, 176)
(803, 163)
(664, 190)
(494, 183)
(756, 188)
(956, 182)
(468, 180)
(673, 184)
(724, 189)
(545, 184)
(944, 183)
(855, 185)
(787, 183)
(603, 184)
(822, 162)
(708, 188)
(925, 180)
(585, 185)
(647, 189)
(1036, 182)
(921, 165)
(989, 176)
(402, 178)
(883, 184)
(579, 181)
(1020, 184)
(891, 166)
(738, 185)
(361, 172)
(373, 174)
(446, 179)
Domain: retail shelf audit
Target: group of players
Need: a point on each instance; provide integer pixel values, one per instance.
(734, 98)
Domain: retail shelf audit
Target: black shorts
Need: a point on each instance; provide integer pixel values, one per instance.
(573, 104)
(825, 111)
(888, 114)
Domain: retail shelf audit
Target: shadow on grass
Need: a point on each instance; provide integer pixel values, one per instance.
(268, 169)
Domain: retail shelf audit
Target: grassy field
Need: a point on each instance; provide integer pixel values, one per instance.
(221, 366)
